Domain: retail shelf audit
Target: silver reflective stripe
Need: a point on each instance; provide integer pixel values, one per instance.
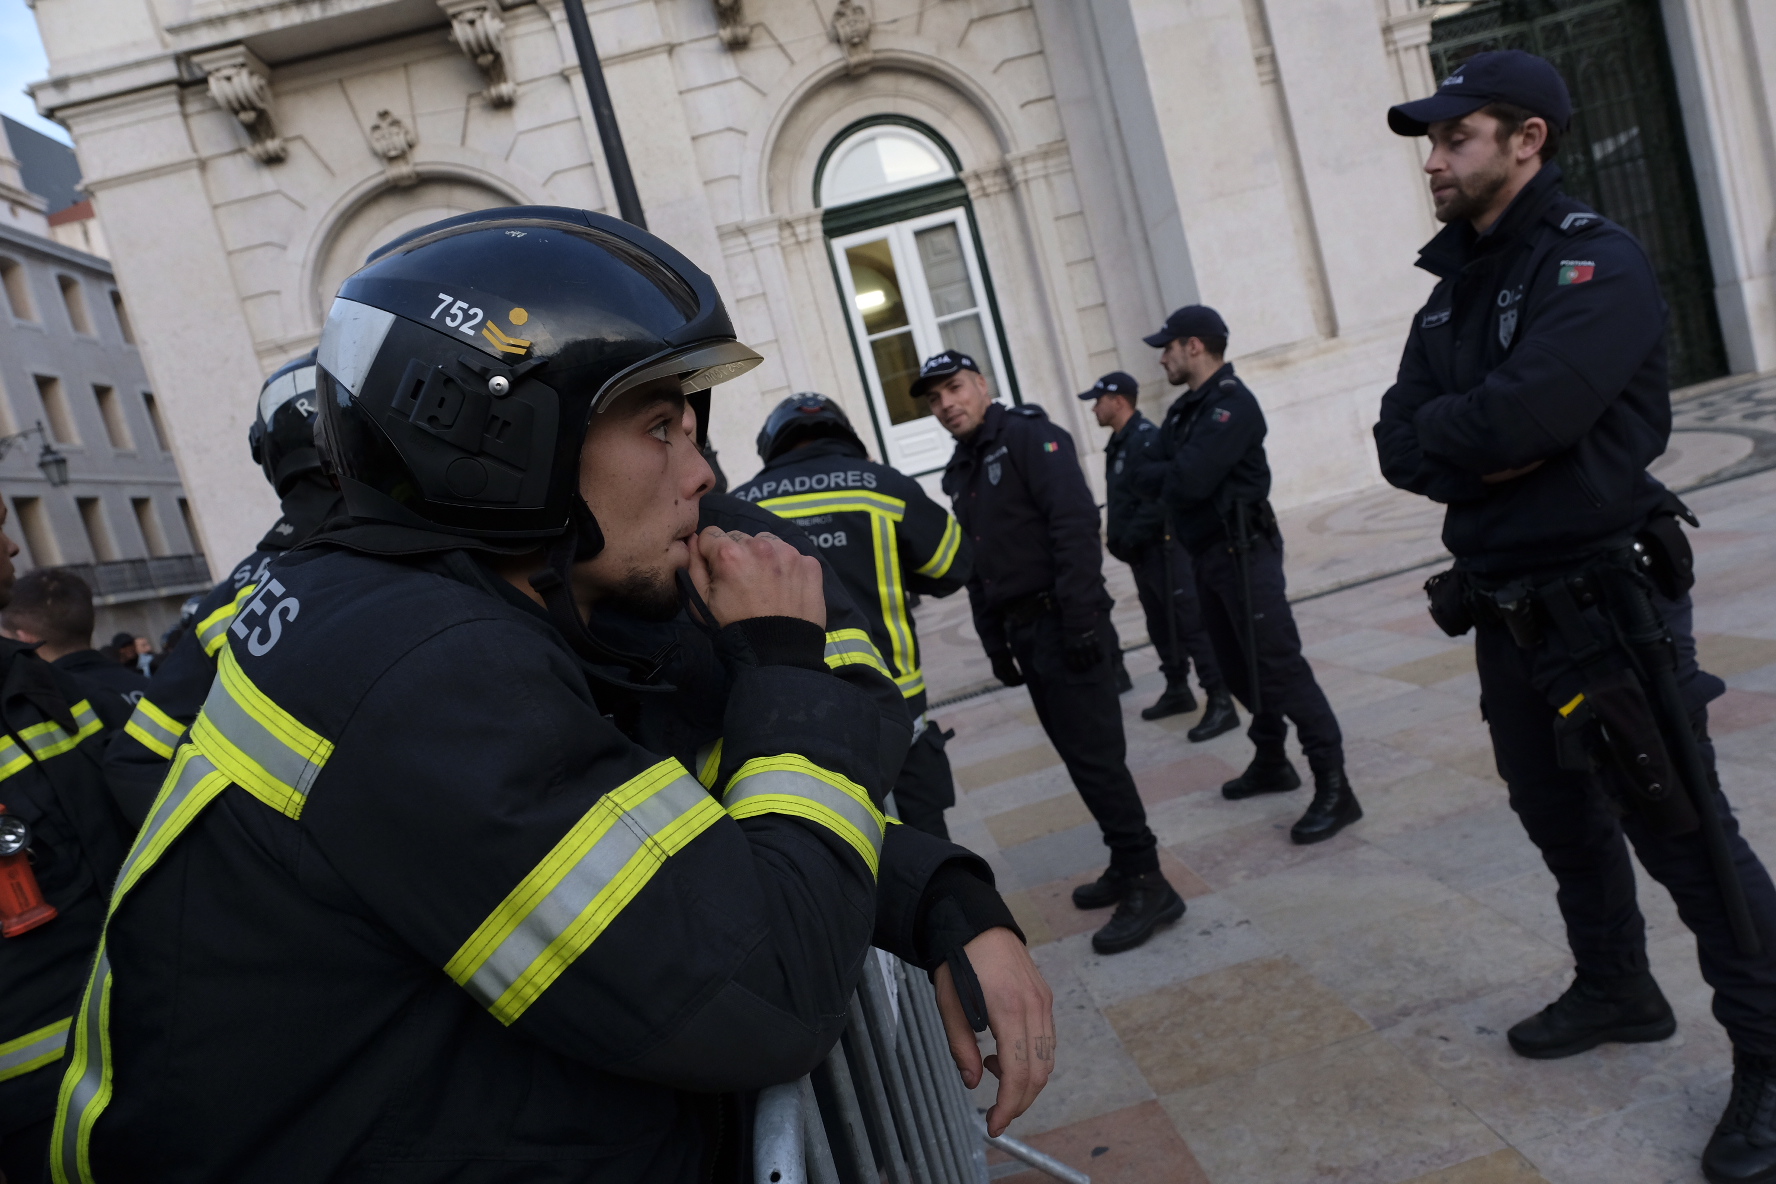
(257, 743)
(639, 826)
(16, 1055)
(87, 1088)
(863, 646)
(787, 783)
(150, 726)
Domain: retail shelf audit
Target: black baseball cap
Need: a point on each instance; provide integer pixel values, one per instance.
(1113, 383)
(1193, 320)
(1497, 76)
(939, 367)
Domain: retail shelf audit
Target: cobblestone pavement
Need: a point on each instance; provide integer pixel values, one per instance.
(1337, 1013)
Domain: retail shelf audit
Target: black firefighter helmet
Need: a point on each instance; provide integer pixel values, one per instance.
(806, 416)
(460, 367)
(282, 435)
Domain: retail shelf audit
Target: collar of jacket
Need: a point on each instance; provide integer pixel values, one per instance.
(25, 675)
(1190, 397)
(312, 502)
(1121, 434)
(990, 428)
(1457, 245)
(814, 451)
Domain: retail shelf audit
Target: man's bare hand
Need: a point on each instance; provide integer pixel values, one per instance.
(1020, 1012)
(756, 575)
(1510, 474)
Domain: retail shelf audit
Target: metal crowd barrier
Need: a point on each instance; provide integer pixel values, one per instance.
(887, 1103)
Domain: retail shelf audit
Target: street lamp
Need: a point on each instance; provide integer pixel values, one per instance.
(53, 463)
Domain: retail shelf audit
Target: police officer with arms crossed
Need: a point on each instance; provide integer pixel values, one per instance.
(1531, 397)
(1044, 619)
(1137, 533)
(413, 902)
(281, 440)
(1212, 474)
(886, 539)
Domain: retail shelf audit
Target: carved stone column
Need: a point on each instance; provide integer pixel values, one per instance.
(480, 32)
(736, 33)
(239, 84)
(394, 144)
(851, 27)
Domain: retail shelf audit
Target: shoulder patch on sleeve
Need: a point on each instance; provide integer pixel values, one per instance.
(1575, 271)
(1220, 415)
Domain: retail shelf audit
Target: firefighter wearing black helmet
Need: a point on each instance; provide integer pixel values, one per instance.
(888, 541)
(281, 439)
(414, 902)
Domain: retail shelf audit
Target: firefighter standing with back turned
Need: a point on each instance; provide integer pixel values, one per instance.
(1212, 474)
(886, 539)
(1531, 397)
(414, 903)
(1043, 616)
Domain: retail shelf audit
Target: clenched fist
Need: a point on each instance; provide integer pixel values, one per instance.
(756, 575)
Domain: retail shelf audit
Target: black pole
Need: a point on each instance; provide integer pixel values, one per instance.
(609, 134)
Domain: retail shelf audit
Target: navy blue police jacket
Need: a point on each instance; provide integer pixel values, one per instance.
(1132, 522)
(1210, 456)
(77, 840)
(880, 532)
(114, 688)
(137, 757)
(1021, 498)
(1542, 344)
(416, 905)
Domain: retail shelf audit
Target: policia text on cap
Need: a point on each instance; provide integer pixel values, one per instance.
(482, 858)
(1531, 397)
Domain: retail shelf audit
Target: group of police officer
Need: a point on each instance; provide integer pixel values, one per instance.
(522, 803)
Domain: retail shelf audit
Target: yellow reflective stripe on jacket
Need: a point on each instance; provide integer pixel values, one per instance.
(796, 786)
(806, 505)
(845, 647)
(911, 684)
(945, 555)
(709, 759)
(213, 629)
(191, 784)
(565, 902)
(47, 739)
(34, 1050)
(266, 750)
(154, 729)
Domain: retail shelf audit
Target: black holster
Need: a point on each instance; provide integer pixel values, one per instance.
(1614, 720)
(1447, 597)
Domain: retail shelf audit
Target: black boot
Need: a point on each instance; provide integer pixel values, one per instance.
(1147, 903)
(1743, 1148)
(1269, 772)
(1102, 892)
(1334, 807)
(1177, 700)
(1219, 716)
(1596, 1011)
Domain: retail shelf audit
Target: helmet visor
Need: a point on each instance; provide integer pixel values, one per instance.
(697, 367)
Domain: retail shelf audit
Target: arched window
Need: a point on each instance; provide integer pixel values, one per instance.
(907, 258)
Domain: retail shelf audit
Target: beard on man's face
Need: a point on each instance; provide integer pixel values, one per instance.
(1474, 193)
(649, 595)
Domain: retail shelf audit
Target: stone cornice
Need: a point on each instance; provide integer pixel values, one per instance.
(70, 90)
(24, 240)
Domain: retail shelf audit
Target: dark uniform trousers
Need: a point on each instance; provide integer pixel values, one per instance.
(1185, 623)
(1082, 714)
(1287, 681)
(925, 787)
(1582, 841)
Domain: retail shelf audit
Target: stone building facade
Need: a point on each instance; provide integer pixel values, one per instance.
(867, 180)
(70, 362)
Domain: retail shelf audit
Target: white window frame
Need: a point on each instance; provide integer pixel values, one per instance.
(910, 444)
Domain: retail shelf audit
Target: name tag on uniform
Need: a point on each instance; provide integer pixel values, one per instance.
(1431, 320)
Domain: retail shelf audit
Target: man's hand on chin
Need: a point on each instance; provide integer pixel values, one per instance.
(1020, 1013)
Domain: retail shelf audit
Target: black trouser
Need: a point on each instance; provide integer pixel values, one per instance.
(1283, 674)
(1083, 718)
(925, 788)
(1181, 637)
(1581, 840)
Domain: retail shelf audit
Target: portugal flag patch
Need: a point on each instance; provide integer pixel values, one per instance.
(1576, 271)
(1050, 446)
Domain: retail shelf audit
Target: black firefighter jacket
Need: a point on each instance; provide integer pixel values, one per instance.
(136, 758)
(413, 907)
(1543, 341)
(1210, 457)
(879, 531)
(1022, 500)
(1132, 523)
(50, 779)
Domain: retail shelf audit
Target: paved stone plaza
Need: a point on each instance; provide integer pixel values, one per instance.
(1337, 1012)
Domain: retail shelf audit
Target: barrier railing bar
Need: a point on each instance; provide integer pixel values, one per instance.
(931, 1071)
(875, 994)
(876, 1088)
(821, 1168)
(835, 1081)
(1018, 1149)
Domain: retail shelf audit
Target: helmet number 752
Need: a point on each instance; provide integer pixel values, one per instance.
(455, 318)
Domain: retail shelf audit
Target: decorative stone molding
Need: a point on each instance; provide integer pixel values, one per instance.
(394, 144)
(736, 33)
(239, 83)
(480, 32)
(851, 28)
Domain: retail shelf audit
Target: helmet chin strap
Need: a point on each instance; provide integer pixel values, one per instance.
(583, 540)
